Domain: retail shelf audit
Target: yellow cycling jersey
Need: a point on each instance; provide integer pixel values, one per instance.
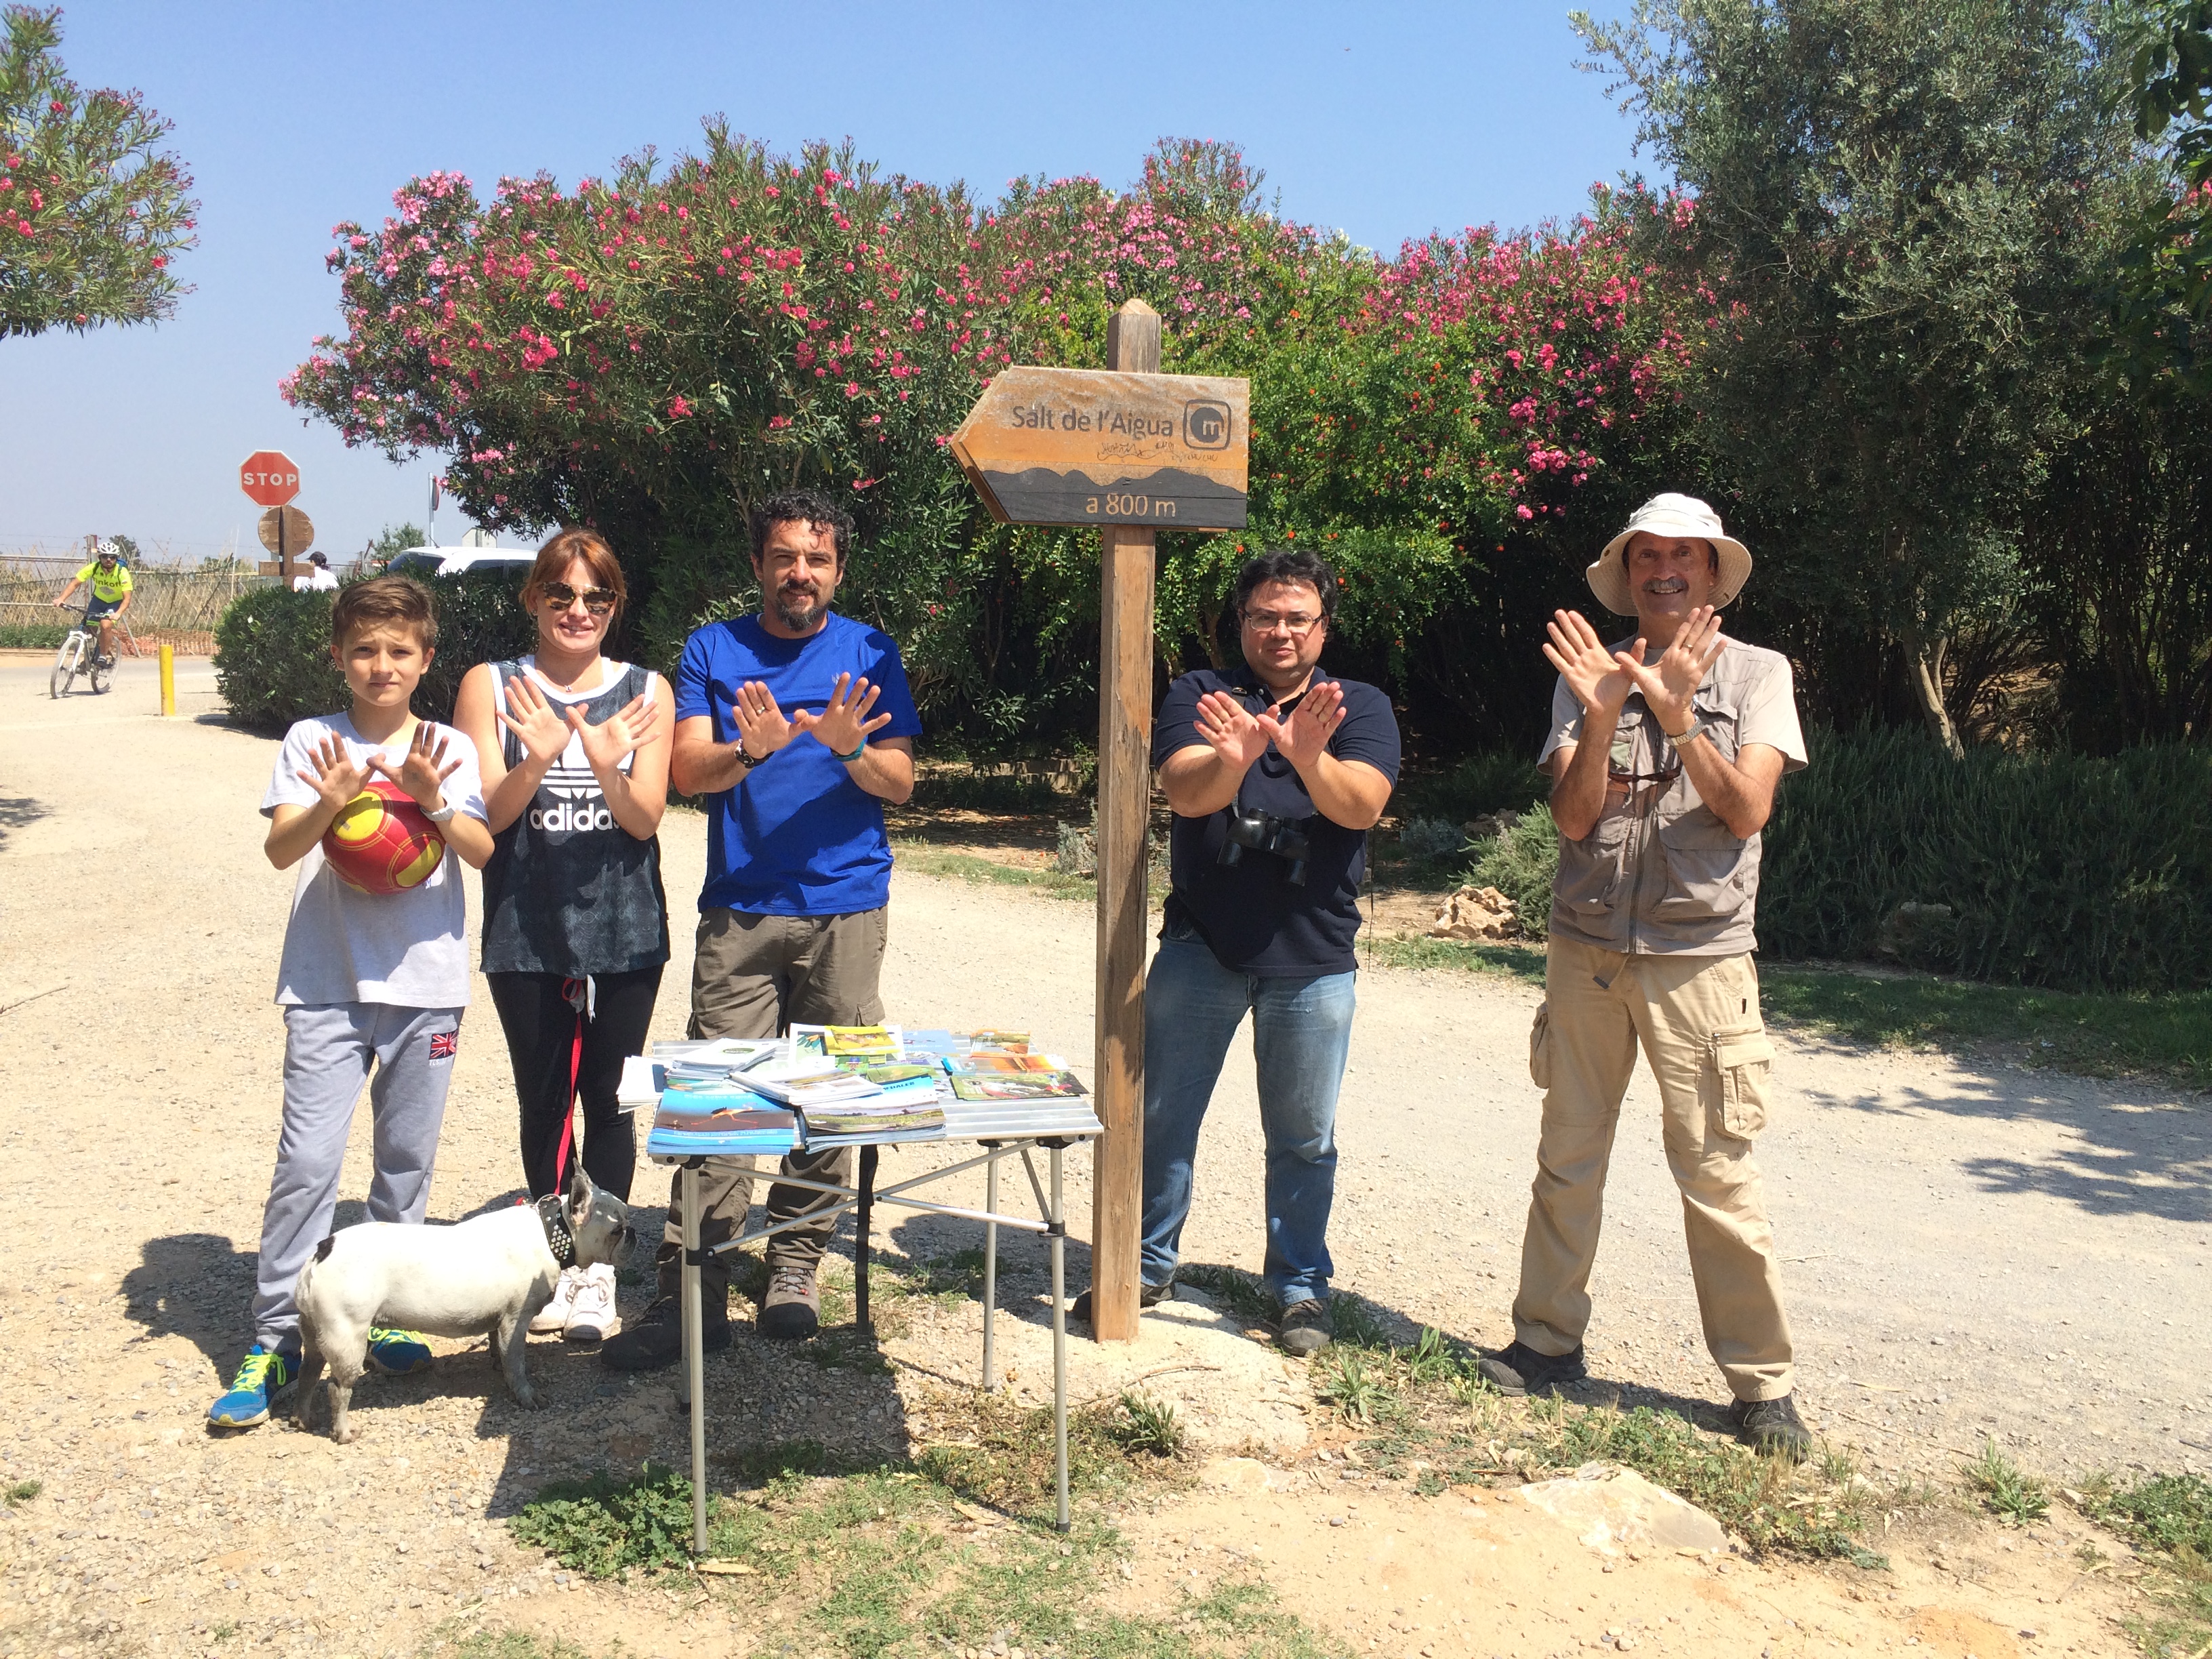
(106, 589)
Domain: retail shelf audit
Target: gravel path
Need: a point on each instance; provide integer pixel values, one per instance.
(1970, 1248)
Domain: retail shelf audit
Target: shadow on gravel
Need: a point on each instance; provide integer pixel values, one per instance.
(2126, 1156)
(17, 812)
(197, 1286)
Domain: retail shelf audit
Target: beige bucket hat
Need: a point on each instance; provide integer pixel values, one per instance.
(1670, 516)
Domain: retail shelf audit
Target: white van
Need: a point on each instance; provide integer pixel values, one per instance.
(452, 560)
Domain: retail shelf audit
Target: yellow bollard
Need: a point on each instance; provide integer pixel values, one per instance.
(168, 679)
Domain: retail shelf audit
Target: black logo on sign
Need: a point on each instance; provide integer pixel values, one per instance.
(1205, 424)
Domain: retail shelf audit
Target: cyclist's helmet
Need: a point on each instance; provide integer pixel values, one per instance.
(106, 551)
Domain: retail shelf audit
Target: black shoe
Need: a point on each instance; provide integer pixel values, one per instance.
(1303, 1329)
(1519, 1370)
(1148, 1296)
(1773, 1426)
(792, 1309)
(654, 1339)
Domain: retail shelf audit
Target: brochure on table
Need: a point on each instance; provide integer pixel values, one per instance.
(825, 1086)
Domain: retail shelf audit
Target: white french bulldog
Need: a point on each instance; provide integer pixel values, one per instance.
(490, 1273)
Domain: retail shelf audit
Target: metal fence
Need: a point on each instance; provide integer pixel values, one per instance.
(164, 598)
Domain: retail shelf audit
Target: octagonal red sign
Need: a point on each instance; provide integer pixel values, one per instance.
(269, 477)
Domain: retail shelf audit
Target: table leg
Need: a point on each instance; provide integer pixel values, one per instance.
(1058, 1236)
(990, 1272)
(868, 1157)
(692, 1359)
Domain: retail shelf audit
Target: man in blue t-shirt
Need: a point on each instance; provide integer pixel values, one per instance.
(796, 725)
(1275, 775)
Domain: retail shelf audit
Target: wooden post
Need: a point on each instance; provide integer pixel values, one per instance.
(1125, 788)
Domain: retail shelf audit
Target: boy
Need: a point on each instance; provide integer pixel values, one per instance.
(365, 976)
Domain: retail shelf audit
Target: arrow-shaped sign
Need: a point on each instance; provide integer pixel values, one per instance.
(1076, 446)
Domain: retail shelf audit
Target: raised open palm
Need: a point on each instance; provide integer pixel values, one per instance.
(1593, 673)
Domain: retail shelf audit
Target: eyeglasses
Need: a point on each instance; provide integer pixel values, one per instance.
(599, 601)
(1266, 622)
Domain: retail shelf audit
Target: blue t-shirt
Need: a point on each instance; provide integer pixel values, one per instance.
(1253, 916)
(795, 837)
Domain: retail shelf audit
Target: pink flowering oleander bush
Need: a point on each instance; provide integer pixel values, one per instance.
(655, 352)
(93, 211)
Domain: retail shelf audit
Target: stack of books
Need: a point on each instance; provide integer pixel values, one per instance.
(719, 1117)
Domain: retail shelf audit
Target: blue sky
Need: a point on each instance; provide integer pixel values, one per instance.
(1385, 120)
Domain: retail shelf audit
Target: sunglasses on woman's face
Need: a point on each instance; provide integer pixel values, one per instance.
(596, 600)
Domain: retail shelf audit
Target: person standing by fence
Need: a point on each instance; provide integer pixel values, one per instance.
(575, 752)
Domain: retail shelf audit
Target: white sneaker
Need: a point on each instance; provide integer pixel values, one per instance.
(592, 1309)
(553, 1318)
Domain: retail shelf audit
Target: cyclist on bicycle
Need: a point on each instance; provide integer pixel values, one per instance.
(111, 594)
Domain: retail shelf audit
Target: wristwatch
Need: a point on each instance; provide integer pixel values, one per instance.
(445, 812)
(1696, 727)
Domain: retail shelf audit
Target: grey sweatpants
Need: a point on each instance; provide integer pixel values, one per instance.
(327, 1050)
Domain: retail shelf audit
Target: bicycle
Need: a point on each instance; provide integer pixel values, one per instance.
(80, 654)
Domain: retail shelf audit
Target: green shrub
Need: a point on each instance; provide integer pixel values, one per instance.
(1496, 781)
(599, 1526)
(272, 648)
(1521, 864)
(2061, 870)
(273, 659)
(33, 636)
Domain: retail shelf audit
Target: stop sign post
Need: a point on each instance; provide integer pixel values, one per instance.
(270, 478)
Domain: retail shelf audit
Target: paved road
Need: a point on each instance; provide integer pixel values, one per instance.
(1969, 1249)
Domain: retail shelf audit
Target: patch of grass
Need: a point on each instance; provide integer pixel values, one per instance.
(1007, 1461)
(1240, 1292)
(33, 636)
(1516, 961)
(2091, 1034)
(2169, 1518)
(2004, 1490)
(23, 1491)
(1354, 1323)
(599, 1525)
(1431, 1418)
(945, 789)
(925, 859)
(1147, 1424)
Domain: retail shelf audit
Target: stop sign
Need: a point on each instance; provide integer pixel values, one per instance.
(268, 478)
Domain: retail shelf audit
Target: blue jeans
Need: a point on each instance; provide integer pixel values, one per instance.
(1301, 1033)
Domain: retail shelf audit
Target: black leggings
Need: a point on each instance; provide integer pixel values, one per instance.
(541, 1033)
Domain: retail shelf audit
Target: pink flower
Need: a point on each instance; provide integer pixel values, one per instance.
(1522, 512)
(678, 408)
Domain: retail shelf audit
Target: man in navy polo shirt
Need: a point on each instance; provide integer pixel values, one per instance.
(1275, 775)
(796, 725)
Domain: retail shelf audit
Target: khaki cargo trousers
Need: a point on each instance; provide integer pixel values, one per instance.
(756, 976)
(1698, 1022)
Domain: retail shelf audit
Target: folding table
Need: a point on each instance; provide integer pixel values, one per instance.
(1001, 1130)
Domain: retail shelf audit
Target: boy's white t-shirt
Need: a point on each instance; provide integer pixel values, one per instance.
(409, 949)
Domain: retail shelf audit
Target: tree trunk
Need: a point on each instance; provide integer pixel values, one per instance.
(1209, 623)
(1924, 660)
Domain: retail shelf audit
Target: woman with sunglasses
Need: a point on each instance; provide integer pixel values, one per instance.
(575, 748)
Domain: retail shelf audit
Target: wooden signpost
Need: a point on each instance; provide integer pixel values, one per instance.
(1130, 450)
(289, 533)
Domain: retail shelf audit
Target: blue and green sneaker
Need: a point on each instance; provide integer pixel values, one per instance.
(398, 1353)
(262, 1375)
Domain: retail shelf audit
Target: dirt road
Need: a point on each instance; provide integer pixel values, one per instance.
(1968, 1250)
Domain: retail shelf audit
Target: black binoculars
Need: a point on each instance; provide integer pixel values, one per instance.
(1263, 832)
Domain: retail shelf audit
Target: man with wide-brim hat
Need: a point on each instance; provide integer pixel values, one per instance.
(1664, 752)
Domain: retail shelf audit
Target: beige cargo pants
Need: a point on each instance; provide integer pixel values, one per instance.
(1698, 1021)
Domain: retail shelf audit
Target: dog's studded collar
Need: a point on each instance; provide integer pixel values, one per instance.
(558, 1239)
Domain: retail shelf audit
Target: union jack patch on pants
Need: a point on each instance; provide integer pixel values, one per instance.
(444, 1045)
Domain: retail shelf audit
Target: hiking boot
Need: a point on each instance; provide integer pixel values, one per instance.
(552, 1319)
(1518, 1369)
(1303, 1328)
(398, 1353)
(654, 1339)
(792, 1309)
(1148, 1296)
(263, 1374)
(1773, 1426)
(591, 1307)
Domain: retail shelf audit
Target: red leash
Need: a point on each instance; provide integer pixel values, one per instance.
(573, 990)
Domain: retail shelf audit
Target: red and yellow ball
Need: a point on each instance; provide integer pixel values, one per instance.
(380, 842)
